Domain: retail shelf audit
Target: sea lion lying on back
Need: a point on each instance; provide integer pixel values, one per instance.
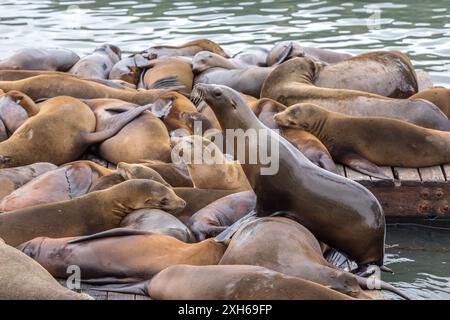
(98, 64)
(40, 59)
(59, 133)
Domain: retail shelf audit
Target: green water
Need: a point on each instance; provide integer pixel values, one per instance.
(419, 28)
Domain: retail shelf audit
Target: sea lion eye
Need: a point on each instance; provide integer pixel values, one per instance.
(164, 201)
(217, 92)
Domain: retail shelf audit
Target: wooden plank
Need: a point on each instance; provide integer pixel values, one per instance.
(97, 295)
(120, 296)
(386, 171)
(432, 174)
(355, 175)
(446, 169)
(407, 174)
(140, 297)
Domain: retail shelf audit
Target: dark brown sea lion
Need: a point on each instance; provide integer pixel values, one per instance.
(68, 182)
(321, 201)
(88, 214)
(382, 141)
(237, 282)
(49, 86)
(220, 214)
(439, 96)
(179, 70)
(53, 136)
(98, 64)
(391, 74)
(145, 138)
(40, 59)
(120, 259)
(285, 246)
(308, 144)
(22, 278)
(287, 50)
(188, 49)
(291, 83)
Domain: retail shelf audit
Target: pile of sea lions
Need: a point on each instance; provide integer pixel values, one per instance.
(87, 176)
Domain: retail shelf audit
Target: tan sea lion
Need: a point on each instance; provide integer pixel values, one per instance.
(292, 83)
(285, 246)
(188, 49)
(40, 59)
(308, 144)
(220, 214)
(370, 140)
(170, 68)
(88, 214)
(21, 278)
(321, 201)
(49, 86)
(67, 182)
(237, 282)
(98, 64)
(120, 259)
(53, 136)
(139, 171)
(176, 174)
(439, 96)
(145, 137)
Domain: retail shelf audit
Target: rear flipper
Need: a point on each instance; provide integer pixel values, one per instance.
(114, 125)
(372, 283)
(117, 232)
(360, 164)
(131, 288)
(231, 230)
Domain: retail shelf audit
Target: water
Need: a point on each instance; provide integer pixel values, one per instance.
(419, 28)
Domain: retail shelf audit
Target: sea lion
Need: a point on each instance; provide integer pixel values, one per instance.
(286, 50)
(176, 174)
(291, 83)
(53, 136)
(321, 201)
(139, 171)
(370, 140)
(49, 86)
(120, 259)
(188, 49)
(146, 221)
(88, 214)
(67, 182)
(285, 246)
(145, 137)
(248, 81)
(311, 147)
(424, 80)
(22, 278)
(207, 112)
(40, 59)
(439, 96)
(391, 74)
(97, 64)
(170, 68)
(220, 214)
(254, 56)
(129, 69)
(237, 282)
(205, 60)
(212, 169)
(18, 176)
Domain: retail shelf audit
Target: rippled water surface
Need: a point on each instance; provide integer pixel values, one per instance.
(420, 28)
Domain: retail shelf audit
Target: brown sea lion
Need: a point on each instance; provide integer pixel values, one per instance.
(97, 64)
(439, 96)
(40, 59)
(237, 282)
(18, 176)
(145, 137)
(220, 214)
(188, 49)
(139, 171)
(120, 259)
(283, 51)
(22, 278)
(129, 69)
(292, 83)
(49, 86)
(176, 174)
(285, 246)
(207, 112)
(321, 201)
(146, 221)
(53, 136)
(88, 214)
(68, 182)
(311, 147)
(170, 68)
(371, 140)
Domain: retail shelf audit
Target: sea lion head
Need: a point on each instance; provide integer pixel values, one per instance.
(142, 193)
(139, 171)
(113, 51)
(301, 116)
(202, 61)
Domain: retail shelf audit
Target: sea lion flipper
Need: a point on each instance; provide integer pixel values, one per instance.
(133, 288)
(114, 125)
(117, 232)
(284, 54)
(231, 230)
(360, 164)
(161, 107)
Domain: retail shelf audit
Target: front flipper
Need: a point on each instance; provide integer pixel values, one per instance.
(360, 164)
(283, 55)
(114, 125)
(231, 230)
